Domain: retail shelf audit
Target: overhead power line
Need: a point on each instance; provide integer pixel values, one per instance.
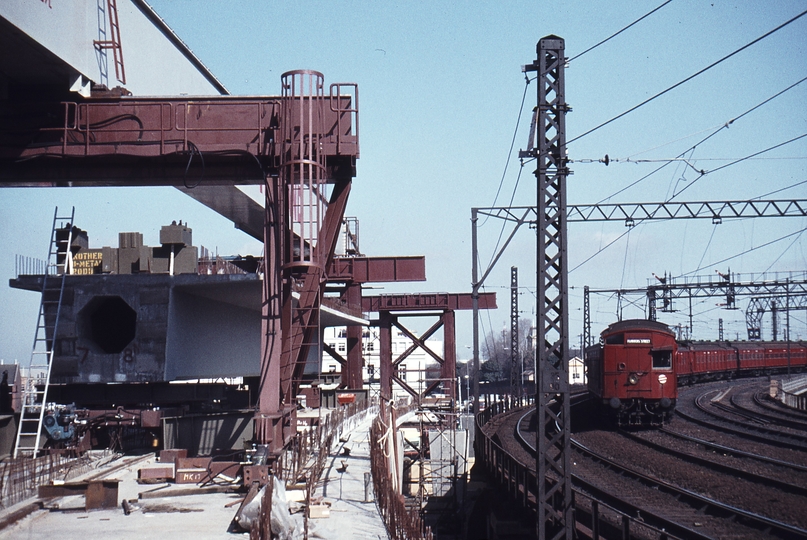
(676, 85)
(620, 31)
(715, 132)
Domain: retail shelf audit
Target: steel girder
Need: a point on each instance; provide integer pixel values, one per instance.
(299, 146)
(389, 307)
(714, 210)
(634, 213)
(354, 271)
(165, 141)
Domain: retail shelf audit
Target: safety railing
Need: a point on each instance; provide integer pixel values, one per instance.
(401, 522)
(305, 457)
(519, 480)
(793, 392)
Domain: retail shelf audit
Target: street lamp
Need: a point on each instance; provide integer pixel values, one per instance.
(467, 393)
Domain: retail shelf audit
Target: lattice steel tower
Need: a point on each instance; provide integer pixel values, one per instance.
(555, 513)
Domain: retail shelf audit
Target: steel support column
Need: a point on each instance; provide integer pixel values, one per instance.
(555, 511)
(385, 354)
(352, 372)
(268, 419)
(514, 341)
(586, 323)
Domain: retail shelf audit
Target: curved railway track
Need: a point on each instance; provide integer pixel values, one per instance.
(670, 508)
(750, 426)
(756, 408)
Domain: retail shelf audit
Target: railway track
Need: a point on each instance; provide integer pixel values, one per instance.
(667, 507)
(754, 407)
(726, 450)
(714, 464)
(751, 427)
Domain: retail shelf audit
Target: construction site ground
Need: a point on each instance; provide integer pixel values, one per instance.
(190, 511)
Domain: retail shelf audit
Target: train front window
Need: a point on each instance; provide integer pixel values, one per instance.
(662, 359)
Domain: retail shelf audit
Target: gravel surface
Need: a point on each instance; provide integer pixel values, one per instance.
(752, 496)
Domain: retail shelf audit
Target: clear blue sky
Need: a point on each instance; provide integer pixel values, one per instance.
(441, 88)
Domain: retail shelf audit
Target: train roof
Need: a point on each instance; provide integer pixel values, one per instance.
(745, 344)
(636, 324)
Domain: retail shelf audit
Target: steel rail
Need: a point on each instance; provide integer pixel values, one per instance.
(704, 504)
(734, 451)
(664, 527)
(782, 530)
(779, 407)
(746, 434)
(747, 475)
(781, 439)
(770, 418)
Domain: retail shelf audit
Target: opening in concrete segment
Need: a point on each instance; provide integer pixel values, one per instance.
(111, 323)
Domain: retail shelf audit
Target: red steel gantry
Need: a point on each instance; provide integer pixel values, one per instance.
(301, 146)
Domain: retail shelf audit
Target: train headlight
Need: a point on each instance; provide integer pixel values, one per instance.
(633, 378)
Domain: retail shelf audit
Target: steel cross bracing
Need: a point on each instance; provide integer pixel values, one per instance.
(392, 306)
(555, 517)
(631, 213)
(723, 285)
(758, 305)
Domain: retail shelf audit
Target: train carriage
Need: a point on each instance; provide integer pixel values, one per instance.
(632, 372)
(635, 370)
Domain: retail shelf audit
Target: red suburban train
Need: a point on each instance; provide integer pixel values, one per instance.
(632, 372)
(635, 371)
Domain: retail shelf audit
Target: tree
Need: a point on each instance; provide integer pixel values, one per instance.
(497, 356)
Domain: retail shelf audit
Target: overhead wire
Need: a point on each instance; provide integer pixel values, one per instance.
(766, 244)
(619, 32)
(716, 128)
(782, 189)
(704, 173)
(512, 145)
(782, 254)
(690, 149)
(700, 72)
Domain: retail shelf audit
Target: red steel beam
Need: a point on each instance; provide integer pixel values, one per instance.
(426, 302)
(377, 269)
(209, 140)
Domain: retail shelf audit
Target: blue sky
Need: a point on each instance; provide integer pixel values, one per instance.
(440, 92)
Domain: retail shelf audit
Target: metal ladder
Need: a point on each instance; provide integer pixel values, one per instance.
(37, 378)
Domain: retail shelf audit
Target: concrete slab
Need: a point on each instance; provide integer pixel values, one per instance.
(187, 511)
(198, 514)
(342, 488)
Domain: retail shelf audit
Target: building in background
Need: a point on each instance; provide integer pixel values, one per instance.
(416, 370)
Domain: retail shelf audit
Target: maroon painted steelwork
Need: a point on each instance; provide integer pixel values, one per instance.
(426, 301)
(421, 305)
(357, 270)
(352, 370)
(302, 146)
(206, 140)
(377, 269)
(302, 228)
